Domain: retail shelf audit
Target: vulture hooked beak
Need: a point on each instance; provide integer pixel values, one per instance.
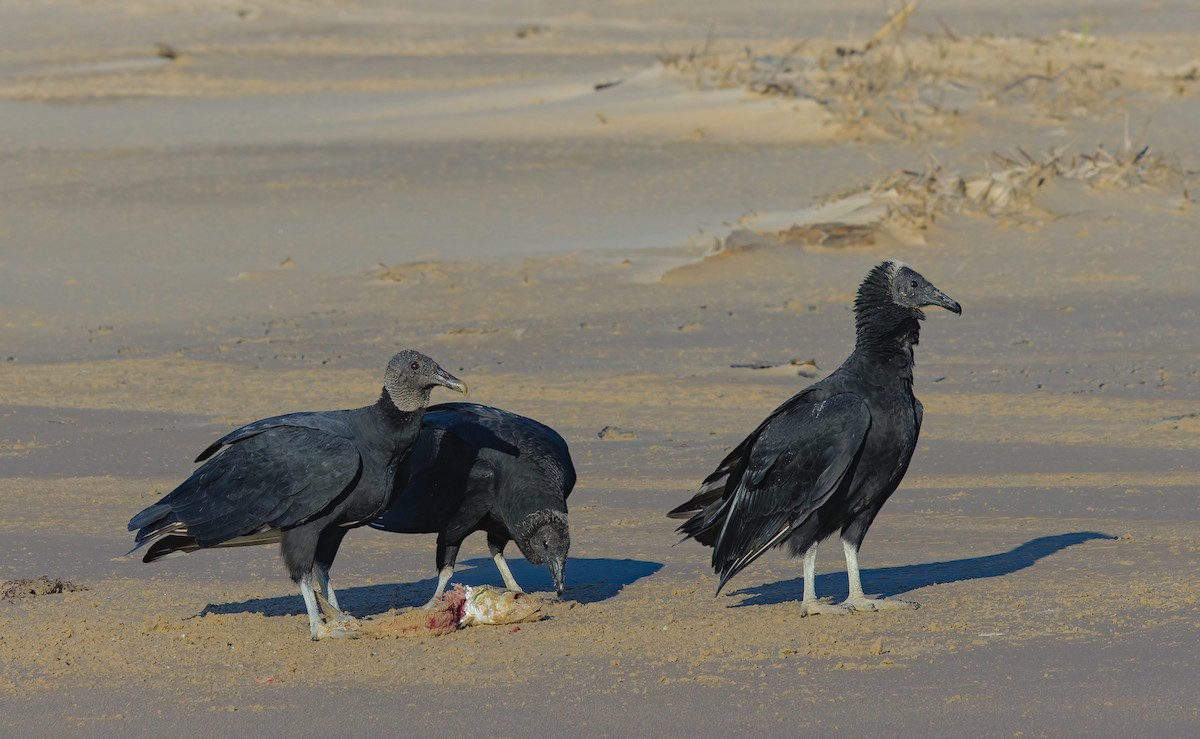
(447, 380)
(933, 296)
(556, 572)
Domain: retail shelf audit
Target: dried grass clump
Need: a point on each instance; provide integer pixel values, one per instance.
(1010, 183)
(906, 203)
(897, 84)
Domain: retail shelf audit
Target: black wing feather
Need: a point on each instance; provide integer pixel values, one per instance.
(714, 487)
(786, 470)
(328, 422)
(276, 475)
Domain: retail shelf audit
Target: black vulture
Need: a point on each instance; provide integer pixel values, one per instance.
(828, 458)
(478, 468)
(302, 479)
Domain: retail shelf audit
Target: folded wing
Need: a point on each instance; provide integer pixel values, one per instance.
(273, 474)
(776, 478)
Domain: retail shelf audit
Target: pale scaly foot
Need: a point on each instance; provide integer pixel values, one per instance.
(823, 607)
(869, 603)
(856, 601)
(337, 624)
(339, 630)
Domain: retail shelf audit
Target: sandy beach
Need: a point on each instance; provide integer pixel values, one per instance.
(633, 215)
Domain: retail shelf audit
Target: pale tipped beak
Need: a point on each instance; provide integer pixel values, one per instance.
(447, 380)
(556, 572)
(941, 299)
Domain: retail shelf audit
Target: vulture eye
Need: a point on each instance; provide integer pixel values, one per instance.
(416, 365)
(912, 283)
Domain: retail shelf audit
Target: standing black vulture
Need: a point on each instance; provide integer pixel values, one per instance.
(828, 458)
(303, 480)
(478, 468)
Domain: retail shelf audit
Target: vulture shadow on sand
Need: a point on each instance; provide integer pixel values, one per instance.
(890, 581)
(588, 581)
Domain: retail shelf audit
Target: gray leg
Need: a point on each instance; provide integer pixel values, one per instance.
(498, 557)
(852, 574)
(444, 576)
(310, 603)
(319, 629)
(810, 606)
(856, 600)
(321, 575)
(810, 575)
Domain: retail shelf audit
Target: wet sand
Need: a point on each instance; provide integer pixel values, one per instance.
(256, 225)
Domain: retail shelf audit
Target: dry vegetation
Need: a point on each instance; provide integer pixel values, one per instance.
(907, 85)
(923, 88)
(1010, 183)
(908, 202)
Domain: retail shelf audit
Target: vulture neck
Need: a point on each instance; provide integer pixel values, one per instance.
(387, 407)
(886, 336)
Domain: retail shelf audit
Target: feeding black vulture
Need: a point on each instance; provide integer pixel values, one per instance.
(303, 480)
(478, 468)
(828, 458)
